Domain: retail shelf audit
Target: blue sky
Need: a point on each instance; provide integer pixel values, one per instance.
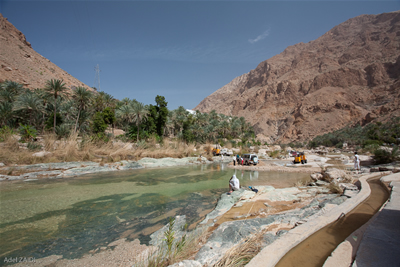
(183, 50)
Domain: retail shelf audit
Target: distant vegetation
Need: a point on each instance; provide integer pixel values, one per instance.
(370, 138)
(371, 135)
(86, 113)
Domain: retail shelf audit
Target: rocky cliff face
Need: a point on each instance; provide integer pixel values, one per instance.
(349, 75)
(20, 63)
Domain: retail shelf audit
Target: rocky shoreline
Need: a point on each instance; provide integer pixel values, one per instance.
(73, 169)
(303, 205)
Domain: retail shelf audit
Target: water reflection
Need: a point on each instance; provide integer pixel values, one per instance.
(72, 216)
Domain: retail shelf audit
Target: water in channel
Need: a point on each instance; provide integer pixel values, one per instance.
(314, 251)
(70, 217)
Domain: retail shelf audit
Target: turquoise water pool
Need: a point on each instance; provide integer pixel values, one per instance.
(70, 217)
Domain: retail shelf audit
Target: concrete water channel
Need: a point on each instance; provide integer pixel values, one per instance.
(314, 251)
(70, 217)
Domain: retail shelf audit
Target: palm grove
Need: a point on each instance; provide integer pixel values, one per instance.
(55, 108)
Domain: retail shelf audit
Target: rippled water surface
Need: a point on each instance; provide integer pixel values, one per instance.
(69, 217)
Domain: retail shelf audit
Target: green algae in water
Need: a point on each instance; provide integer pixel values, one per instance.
(73, 216)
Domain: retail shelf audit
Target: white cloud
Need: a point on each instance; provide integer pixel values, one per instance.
(260, 37)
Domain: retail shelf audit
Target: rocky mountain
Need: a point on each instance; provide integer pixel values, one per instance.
(20, 63)
(349, 75)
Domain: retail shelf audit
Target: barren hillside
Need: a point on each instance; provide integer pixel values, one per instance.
(20, 63)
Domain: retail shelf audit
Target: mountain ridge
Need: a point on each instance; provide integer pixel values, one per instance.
(19, 62)
(349, 75)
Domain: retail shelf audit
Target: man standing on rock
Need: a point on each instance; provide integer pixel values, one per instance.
(356, 161)
(234, 184)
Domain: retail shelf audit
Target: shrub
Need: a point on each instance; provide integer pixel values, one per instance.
(5, 133)
(371, 148)
(27, 132)
(372, 142)
(382, 156)
(34, 146)
(63, 130)
(274, 154)
(99, 125)
(108, 115)
(100, 138)
(50, 121)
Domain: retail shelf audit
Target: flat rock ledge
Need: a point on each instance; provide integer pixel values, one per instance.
(272, 253)
(73, 169)
(170, 162)
(64, 169)
(231, 233)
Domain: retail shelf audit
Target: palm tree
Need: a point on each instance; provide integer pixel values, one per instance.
(6, 111)
(235, 126)
(180, 117)
(29, 102)
(170, 124)
(45, 103)
(213, 115)
(57, 89)
(82, 98)
(224, 128)
(125, 114)
(140, 112)
(10, 90)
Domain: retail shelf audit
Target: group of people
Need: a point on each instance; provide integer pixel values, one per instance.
(234, 183)
(237, 159)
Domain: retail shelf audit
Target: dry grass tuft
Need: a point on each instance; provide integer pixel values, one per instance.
(159, 257)
(49, 142)
(242, 253)
(71, 148)
(75, 148)
(335, 189)
(301, 183)
(208, 149)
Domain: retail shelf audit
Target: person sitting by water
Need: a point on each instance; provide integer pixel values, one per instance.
(234, 184)
(356, 162)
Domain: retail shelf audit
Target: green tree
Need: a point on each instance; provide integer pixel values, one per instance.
(103, 100)
(9, 90)
(124, 115)
(7, 112)
(140, 112)
(49, 123)
(31, 104)
(44, 96)
(57, 89)
(180, 117)
(99, 125)
(162, 114)
(109, 116)
(82, 97)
